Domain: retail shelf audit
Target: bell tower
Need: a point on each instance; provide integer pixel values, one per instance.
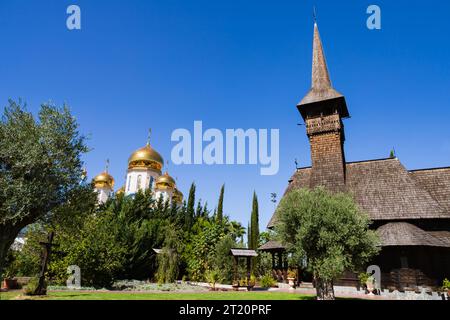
(323, 109)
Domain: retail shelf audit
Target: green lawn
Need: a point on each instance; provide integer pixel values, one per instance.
(80, 295)
(8, 295)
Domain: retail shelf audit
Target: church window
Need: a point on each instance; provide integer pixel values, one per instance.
(139, 178)
(151, 182)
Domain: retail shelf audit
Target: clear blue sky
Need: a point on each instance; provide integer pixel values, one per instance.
(233, 64)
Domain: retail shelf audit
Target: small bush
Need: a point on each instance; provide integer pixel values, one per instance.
(363, 278)
(267, 281)
(446, 284)
(213, 277)
(31, 287)
(292, 273)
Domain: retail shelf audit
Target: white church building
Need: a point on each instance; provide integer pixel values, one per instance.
(144, 172)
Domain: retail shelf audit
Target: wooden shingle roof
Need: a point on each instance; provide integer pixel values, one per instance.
(436, 182)
(387, 191)
(272, 246)
(243, 253)
(406, 234)
(442, 235)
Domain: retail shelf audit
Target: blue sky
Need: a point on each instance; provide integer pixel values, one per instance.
(233, 64)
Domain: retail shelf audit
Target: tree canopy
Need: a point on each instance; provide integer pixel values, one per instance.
(40, 166)
(328, 230)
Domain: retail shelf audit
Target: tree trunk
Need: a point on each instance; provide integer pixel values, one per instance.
(324, 289)
(7, 237)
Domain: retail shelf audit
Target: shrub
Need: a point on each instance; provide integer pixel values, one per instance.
(267, 281)
(213, 277)
(446, 284)
(292, 273)
(32, 285)
(363, 277)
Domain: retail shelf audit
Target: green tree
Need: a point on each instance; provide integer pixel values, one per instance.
(199, 210)
(110, 242)
(40, 165)
(236, 229)
(249, 236)
(254, 223)
(222, 261)
(254, 228)
(205, 211)
(190, 211)
(220, 205)
(169, 257)
(330, 231)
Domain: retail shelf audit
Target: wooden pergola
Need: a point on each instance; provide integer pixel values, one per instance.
(248, 254)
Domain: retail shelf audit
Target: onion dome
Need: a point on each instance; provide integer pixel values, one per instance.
(165, 182)
(146, 157)
(121, 190)
(177, 196)
(103, 180)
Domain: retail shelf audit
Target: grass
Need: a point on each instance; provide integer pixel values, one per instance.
(83, 295)
(9, 295)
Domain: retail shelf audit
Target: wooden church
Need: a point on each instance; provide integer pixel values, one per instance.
(410, 209)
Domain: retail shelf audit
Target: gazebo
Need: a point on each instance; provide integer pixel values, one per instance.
(248, 254)
(279, 259)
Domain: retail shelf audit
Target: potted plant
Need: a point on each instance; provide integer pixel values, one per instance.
(370, 283)
(291, 278)
(9, 282)
(363, 277)
(446, 286)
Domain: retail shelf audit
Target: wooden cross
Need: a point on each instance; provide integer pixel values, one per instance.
(41, 289)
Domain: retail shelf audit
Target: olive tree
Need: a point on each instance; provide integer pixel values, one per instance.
(40, 166)
(329, 230)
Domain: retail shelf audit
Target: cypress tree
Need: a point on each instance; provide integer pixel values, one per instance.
(190, 206)
(254, 223)
(198, 211)
(205, 212)
(249, 237)
(254, 227)
(220, 205)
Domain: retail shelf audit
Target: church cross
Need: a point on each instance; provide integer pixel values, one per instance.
(149, 136)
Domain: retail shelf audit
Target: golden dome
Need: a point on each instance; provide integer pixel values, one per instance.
(104, 179)
(165, 182)
(121, 190)
(146, 157)
(177, 196)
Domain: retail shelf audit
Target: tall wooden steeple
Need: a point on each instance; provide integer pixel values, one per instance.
(323, 109)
